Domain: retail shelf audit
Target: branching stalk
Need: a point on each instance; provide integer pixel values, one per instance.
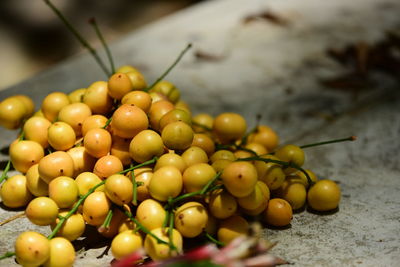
(142, 228)
(74, 209)
(93, 22)
(280, 162)
(5, 172)
(149, 162)
(170, 67)
(78, 36)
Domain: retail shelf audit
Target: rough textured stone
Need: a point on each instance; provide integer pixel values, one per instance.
(273, 70)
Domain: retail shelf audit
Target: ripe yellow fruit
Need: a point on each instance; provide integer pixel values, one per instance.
(95, 208)
(14, 192)
(239, 178)
(229, 127)
(324, 195)
(32, 249)
(125, 243)
(191, 219)
(128, 120)
(42, 211)
(278, 213)
(53, 103)
(62, 253)
(61, 136)
(151, 214)
(72, 228)
(232, 228)
(24, 154)
(158, 251)
(145, 145)
(165, 183)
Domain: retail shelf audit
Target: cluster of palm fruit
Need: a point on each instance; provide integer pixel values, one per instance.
(134, 162)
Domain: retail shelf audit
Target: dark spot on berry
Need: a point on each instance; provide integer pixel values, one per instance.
(91, 217)
(181, 216)
(61, 170)
(79, 124)
(240, 176)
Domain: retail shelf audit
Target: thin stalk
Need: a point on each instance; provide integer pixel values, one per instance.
(153, 160)
(212, 181)
(170, 231)
(201, 126)
(5, 172)
(107, 123)
(283, 163)
(107, 221)
(93, 22)
(17, 216)
(245, 149)
(134, 199)
(7, 255)
(213, 240)
(22, 136)
(166, 219)
(142, 228)
(170, 67)
(234, 147)
(171, 203)
(74, 209)
(78, 36)
(351, 138)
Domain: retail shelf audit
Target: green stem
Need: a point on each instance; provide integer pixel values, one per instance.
(93, 22)
(22, 136)
(5, 172)
(142, 228)
(234, 147)
(74, 209)
(351, 138)
(202, 192)
(207, 186)
(107, 221)
(107, 123)
(7, 255)
(77, 35)
(149, 162)
(170, 231)
(170, 67)
(134, 200)
(166, 219)
(202, 126)
(283, 163)
(212, 239)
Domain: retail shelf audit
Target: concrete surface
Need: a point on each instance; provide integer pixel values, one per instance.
(273, 70)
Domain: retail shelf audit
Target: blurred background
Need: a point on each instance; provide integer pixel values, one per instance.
(33, 38)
